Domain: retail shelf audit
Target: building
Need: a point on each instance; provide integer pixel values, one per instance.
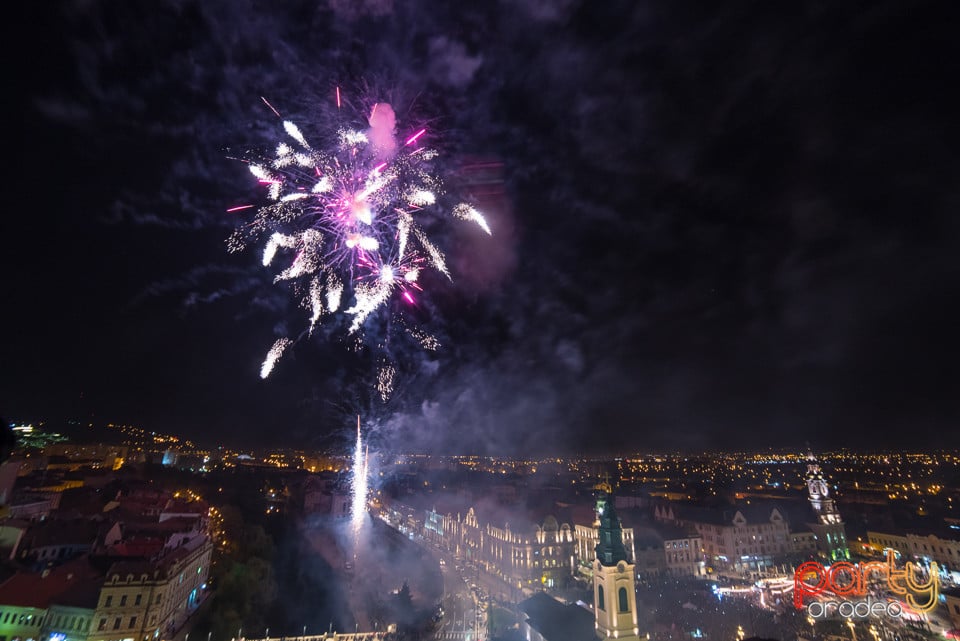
(614, 590)
(54, 541)
(831, 537)
(144, 598)
(650, 561)
(322, 494)
(951, 598)
(8, 478)
(587, 537)
(942, 547)
(530, 556)
(672, 550)
(96, 456)
(614, 611)
(27, 598)
(132, 570)
(745, 539)
(804, 542)
(11, 533)
(543, 554)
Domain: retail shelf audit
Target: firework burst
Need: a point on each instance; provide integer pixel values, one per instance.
(344, 225)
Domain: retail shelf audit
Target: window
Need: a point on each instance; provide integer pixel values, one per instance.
(103, 624)
(133, 622)
(123, 600)
(137, 600)
(108, 602)
(157, 601)
(623, 600)
(600, 597)
(116, 623)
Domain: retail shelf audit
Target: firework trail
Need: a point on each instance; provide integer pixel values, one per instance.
(358, 508)
(344, 226)
(273, 356)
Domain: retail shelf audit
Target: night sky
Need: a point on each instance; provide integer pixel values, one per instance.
(734, 227)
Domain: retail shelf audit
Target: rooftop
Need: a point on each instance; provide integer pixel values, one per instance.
(41, 589)
(556, 621)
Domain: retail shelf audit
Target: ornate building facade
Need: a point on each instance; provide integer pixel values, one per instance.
(831, 537)
(536, 556)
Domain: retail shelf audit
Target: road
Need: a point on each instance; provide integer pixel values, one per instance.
(464, 607)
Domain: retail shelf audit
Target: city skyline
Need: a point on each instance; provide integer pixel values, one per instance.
(708, 231)
(221, 544)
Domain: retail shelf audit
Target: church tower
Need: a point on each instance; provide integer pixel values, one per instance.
(614, 592)
(829, 529)
(819, 493)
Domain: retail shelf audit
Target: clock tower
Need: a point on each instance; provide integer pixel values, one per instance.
(829, 529)
(614, 589)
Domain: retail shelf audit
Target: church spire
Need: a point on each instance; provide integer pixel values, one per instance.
(830, 533)
(614, 590)
(610, 549)
(818, 491)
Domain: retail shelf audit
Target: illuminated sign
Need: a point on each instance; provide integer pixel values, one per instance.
(845, 579)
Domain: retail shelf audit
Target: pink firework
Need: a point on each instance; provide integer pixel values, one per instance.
(343, 218)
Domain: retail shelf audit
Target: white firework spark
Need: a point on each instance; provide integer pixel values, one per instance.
(358, 508)
(385, 378)
(368, 297)
(464, 211)
(342, 216)
(316, 302)
(294, 133)
(274, 355)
